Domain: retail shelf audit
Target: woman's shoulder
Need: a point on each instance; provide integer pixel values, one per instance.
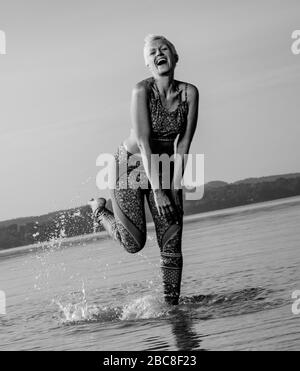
(144, 84)
(143, 87)
(188, 87)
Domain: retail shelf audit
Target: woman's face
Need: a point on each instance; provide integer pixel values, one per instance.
(160, 59)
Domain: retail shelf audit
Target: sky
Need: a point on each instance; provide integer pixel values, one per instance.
(68, 73)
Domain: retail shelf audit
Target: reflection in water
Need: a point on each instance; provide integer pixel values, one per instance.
(186, 339)
(157, 343)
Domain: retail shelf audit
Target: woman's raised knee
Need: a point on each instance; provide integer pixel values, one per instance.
(135, 247)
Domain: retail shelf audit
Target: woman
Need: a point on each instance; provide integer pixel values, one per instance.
(162, 110)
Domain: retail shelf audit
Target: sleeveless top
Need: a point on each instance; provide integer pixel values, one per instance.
(166, 125)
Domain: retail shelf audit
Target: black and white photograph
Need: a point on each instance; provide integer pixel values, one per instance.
(149, 178)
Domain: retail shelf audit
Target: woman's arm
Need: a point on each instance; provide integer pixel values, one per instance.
(184, 143)
(141, 125)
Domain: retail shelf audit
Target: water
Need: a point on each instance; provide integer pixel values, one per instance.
(240, 269)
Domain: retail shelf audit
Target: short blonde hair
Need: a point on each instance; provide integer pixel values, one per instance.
(149, 38)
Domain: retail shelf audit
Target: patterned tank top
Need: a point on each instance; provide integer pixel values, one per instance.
(166, 125)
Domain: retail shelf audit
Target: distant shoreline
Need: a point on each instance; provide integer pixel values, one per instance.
(64, 242)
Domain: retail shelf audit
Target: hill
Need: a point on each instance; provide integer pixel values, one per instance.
(270, 178)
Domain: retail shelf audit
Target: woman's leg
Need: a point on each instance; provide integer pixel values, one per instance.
(127, 223)
(169, 238)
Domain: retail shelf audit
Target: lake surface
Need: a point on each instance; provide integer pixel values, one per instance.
(241, 267)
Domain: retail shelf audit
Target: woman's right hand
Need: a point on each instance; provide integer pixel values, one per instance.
(163, 204)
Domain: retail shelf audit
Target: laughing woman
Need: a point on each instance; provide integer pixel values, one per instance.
(163, 109)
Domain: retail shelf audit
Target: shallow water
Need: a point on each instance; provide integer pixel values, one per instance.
(240, 269)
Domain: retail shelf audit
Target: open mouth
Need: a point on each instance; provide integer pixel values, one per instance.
(161, 61)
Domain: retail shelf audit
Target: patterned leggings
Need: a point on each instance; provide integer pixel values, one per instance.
(127, 225)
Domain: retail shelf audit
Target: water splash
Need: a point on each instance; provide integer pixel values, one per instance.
(203, 307)
(145, 308)
(82, 311)
(55, 243)
(142, 308)
(78, 309)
